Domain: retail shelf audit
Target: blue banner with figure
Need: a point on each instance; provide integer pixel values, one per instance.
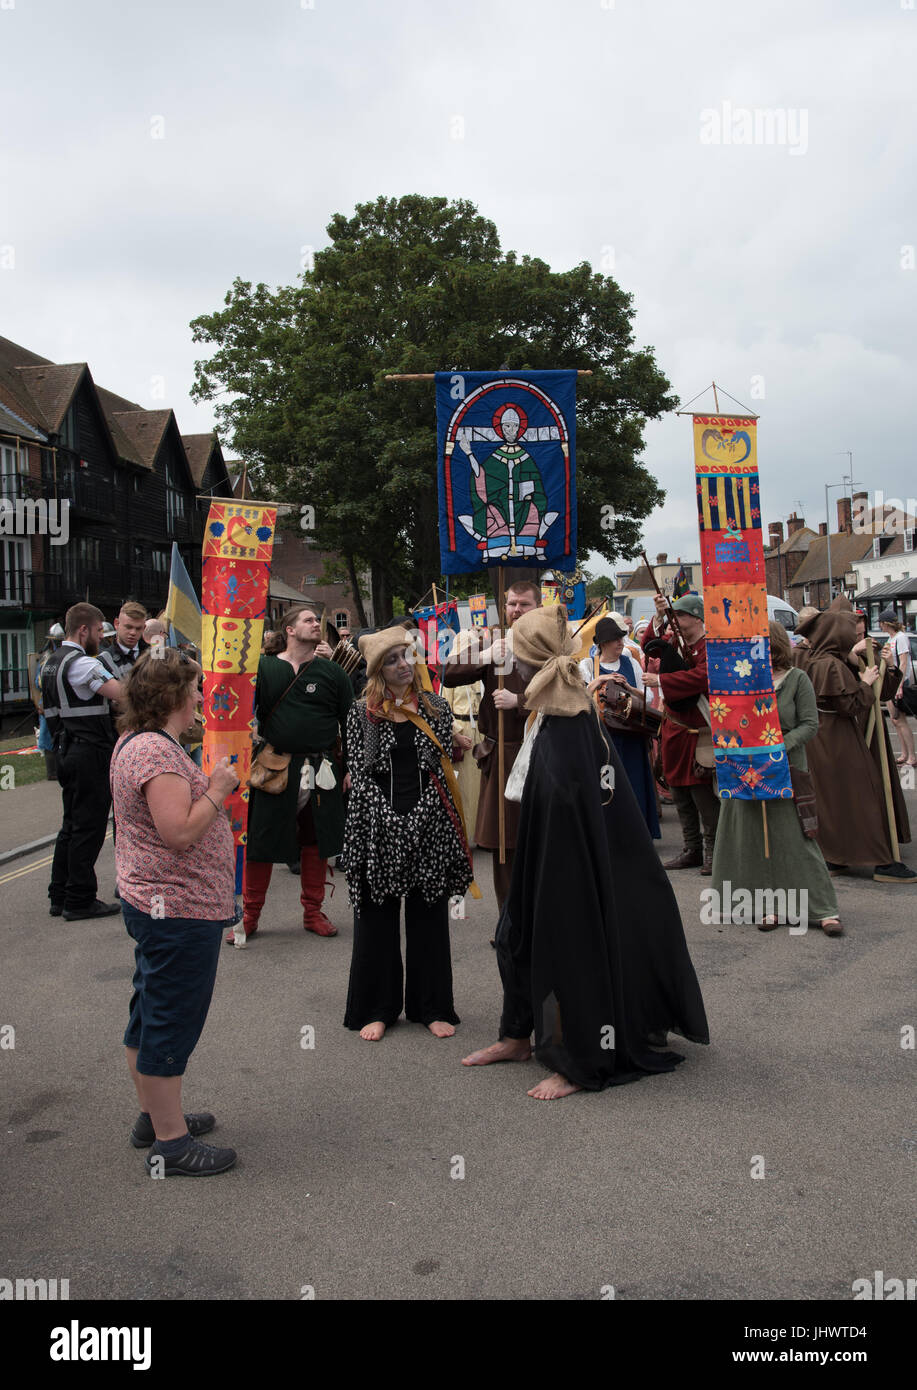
(507, 469)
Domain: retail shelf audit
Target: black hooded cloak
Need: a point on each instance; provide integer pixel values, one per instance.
(590, 940)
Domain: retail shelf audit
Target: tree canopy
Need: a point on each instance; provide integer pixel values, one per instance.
(419, 284)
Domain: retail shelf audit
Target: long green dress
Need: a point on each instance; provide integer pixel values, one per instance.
(795, 862)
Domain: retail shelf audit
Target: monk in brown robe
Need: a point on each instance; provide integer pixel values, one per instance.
(852, 817)
(521, 598)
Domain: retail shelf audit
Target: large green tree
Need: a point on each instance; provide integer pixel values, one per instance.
(420, 284)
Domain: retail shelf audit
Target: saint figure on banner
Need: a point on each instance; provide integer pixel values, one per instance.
(508, 500)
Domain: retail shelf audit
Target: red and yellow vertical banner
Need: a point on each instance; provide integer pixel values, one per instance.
(236, 572)
(751, 761)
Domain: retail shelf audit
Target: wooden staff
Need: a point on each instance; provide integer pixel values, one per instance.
(671, 615)
(883, 754)
(431, 376)
(767, 843)
(501, 751)
(871, 723)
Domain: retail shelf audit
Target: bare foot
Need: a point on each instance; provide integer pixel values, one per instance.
(553, 1088)
(507, 1050)
(372, 1032)
(441, 1030)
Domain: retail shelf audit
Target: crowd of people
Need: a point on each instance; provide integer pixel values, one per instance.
(374, 772)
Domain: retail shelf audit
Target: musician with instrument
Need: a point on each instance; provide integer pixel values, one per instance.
(296, 806)
(615, 681)
(676, 637)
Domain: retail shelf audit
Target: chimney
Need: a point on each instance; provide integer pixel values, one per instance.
(861, 512)
(844, 518)
(823, 528)
(775, 534)
(662, 557)
(794, 523)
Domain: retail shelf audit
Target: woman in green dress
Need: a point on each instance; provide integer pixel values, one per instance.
(795, 865)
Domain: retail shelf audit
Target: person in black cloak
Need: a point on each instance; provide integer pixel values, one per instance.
(590, 945)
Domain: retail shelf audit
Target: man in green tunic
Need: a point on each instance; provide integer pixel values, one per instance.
(301, 701)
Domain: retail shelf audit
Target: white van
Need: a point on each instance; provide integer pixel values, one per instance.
(779, 611)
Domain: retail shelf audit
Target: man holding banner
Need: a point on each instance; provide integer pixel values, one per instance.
(521, 598)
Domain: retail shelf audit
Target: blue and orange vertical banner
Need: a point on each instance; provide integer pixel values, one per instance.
(751, 761)
(438, 626)
(235, 575)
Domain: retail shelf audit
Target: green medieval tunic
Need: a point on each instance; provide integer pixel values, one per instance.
(514, 486)
(307, 724)
(795, 862)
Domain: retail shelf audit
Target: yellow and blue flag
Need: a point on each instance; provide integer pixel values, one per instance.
(183, 609)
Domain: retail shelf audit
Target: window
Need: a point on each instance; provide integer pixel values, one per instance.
(16, 584)
(805, 595)
(160, 560)
(342, 619)
(886, 579)
(175, 498)
(908, 542)
(67, 437)
(309, 579)
(14, 666)
(877, 548)
(14, 464)
(906, 574)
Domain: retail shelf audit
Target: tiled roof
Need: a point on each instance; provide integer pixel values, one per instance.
(145, 430)
(846, 550)
(199, 448)
(799, 540)
(52, 387)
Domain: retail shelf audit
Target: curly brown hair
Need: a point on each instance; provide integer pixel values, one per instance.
(155, 687)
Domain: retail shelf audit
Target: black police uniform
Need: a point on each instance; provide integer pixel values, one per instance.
(84, 737)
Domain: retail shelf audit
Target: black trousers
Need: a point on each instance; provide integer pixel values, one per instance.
(377, 991)
(82, 770)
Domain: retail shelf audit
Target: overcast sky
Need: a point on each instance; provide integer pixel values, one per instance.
(151, 152)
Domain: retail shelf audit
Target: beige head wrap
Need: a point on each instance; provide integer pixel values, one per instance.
(540, 639)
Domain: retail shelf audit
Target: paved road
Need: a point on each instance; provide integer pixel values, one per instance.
(346, 1150)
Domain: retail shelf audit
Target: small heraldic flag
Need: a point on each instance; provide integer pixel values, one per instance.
(183, 611)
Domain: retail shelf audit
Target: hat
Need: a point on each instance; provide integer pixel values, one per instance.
(692, 604)
(376, 646)
(55, 631)
(888, 615)
(108, 630)
(607, 630)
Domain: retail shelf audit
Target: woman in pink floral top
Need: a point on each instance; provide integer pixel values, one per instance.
(175, 873)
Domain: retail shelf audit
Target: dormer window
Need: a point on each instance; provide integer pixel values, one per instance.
(909, 540)
(877, 548)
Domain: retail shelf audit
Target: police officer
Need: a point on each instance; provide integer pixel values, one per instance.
(126, 640)
(76, 688)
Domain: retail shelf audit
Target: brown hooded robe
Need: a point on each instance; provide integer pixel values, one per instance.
(852, 819)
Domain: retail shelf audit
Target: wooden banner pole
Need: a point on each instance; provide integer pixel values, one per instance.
(431, 376)
(767, 843)
(501, 752)
(883, 755)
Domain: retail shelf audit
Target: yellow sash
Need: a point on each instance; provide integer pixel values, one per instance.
(388, 707)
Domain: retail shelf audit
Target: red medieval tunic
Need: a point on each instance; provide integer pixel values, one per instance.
(679, 744)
